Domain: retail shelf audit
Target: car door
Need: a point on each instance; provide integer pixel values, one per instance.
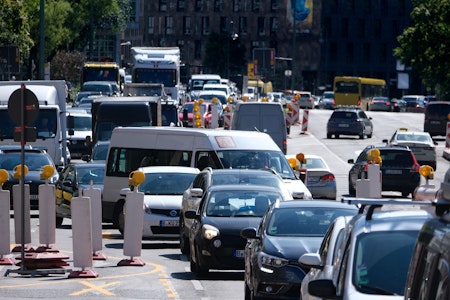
(366, 121)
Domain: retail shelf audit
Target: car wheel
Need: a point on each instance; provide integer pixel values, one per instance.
(59, 221)
(192, 263)
(184, 240)
(200, 270)
(369, 136)
(361, 135)
(336, 136)
(329, 135)
(405, 194)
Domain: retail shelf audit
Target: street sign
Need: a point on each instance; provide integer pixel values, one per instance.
(30, 107)
(264, 59)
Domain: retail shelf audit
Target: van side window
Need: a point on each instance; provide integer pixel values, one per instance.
(125, 160)
(207, 159)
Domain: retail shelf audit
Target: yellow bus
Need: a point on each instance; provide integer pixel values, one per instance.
(357, 90)
(101, 71)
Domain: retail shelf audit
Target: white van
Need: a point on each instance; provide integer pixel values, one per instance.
(134, 147)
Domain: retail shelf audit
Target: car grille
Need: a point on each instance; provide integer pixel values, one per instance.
(164, 230)
(165, 212)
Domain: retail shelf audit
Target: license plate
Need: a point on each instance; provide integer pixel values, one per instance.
(435, 122)
(396, 172)
(169, 223)
(343, 125)
(239, 253)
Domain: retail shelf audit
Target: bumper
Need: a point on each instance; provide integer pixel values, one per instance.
(160, 226)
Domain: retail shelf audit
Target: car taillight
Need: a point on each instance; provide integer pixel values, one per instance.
(327, 177)
(310, 99)
(334, 102)
(388, 103)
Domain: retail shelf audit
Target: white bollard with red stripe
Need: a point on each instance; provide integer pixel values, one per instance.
(305, 121)
(447, 137)
(227, 119)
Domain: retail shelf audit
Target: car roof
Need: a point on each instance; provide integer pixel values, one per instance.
(83, 165)
(169, 169)
(242, 187)
(239, 171)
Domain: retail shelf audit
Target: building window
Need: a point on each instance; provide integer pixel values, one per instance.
(361, 28)
(205, 25)
(377, 29)
(151, 25)
(181, 5)
(243, 25)
(349, 53)
(198, 5)
(344, 28)
(187, 25)
(223, 25)
(162, 5)
(383, 53)
(333, 52)
(274, 5)
(197, 49)
(169, 25)
(255, 5)
(366, 53)
(274, 25)
(236, 5)
(261, 29)
(218, 5)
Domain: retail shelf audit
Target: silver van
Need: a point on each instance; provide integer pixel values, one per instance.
(267, 117)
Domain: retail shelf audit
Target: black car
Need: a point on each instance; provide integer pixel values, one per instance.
(72, 180)
(399, 169)
(436, 118)
(350, 120)
(35, 159)
(214, 238)
(398, 105)
(287, 231)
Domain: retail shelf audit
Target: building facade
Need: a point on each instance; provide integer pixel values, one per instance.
(312, 40)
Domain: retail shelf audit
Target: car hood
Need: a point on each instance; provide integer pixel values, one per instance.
(232, 225)
(31, 176)
(163, 201)
(290, 247)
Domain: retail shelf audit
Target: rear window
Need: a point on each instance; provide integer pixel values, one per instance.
(343, 115)
(441, 109)
(391, 158)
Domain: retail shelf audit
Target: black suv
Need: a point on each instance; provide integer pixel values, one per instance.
(350, 120)
(399, 169)
(428, 276)
(436, 118)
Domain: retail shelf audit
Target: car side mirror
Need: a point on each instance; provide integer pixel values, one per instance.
(249, 233)
(191, 214)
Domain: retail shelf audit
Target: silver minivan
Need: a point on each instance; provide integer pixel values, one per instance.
(267, 117)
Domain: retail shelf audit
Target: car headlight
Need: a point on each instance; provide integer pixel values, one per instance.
(209, 232)
(266, 260)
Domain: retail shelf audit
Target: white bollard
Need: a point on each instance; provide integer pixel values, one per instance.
(20, 224)
(47, 213)
(214, 116)
(5, 228)
(374, 176)
(95, 195)
(134, 224)
(81, 232)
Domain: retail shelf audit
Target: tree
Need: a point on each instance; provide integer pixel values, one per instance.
(67, 66)
(425, 45)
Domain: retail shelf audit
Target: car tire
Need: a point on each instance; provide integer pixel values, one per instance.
(405, 194)
(196, 267)
(121, 221)
(184, 240)
(369, 136)
(329, 135)
(361, 136)
(351, 190)
(59, 221)
(248, 294)
(336, 136)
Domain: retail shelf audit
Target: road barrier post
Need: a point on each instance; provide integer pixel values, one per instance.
(95, 195)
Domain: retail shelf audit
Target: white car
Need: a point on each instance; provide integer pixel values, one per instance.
(163, 188)
(321, 263)
(375, 253)
(420, 143)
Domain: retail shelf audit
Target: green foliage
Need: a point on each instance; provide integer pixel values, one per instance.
(425, 45)
(14, 26)
(67, 66)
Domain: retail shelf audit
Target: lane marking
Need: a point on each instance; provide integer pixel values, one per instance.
(95, 288)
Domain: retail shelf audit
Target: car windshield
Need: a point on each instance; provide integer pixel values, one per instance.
(314, 163)
(100, 152)
(94, 174)
(34, 161)
(166, 183)
(239, 203)
(381, 261)
(303, 221)
(243, 178)
(343, 115)
(409, 137)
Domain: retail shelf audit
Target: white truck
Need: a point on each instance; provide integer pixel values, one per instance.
(158, 65)
(51, 123)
